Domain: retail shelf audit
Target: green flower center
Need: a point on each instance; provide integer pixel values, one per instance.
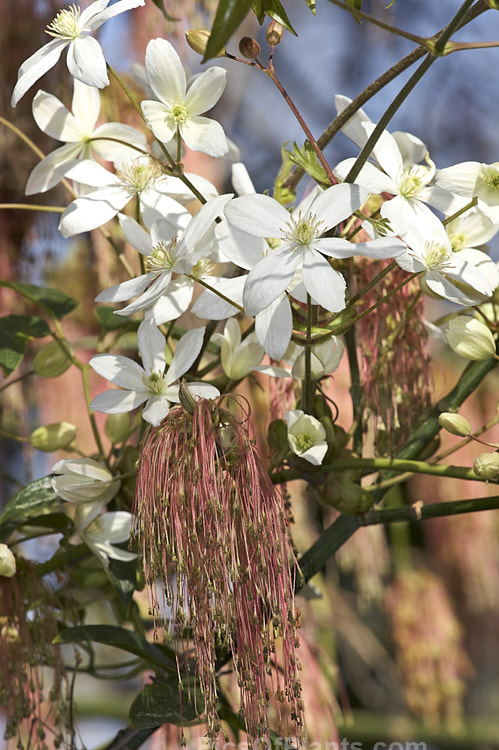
(303, 230)
(162, 257)
(436, 256)
(203, 267)
(66, 24)
(179, 113)
(305, 441)
(413, 180)
(156, 383)
(458, 241)
(137, 176)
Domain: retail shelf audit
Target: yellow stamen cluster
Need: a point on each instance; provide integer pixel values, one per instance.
(137, 175)
(303, 229)
(66, 24)
(156, 383)
(162, 257)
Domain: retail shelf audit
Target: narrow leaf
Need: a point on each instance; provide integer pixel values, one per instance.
(306, 158)
(126, 640)
(159, 4)
(282, 194)
(56, 303)
(230, 13)
(163, 703)
(275, 9)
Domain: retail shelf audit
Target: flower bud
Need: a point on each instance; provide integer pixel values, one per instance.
(187, 400)
(454, 423)
(197, 39)
(83, 480)
(51, 360)
(117, 427)
(275, 33)
(349, 498)
(53, 437)
(7, 562)
(470, 338)
(486, 465)
(249, 48)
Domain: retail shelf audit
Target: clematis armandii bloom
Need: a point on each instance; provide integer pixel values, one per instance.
(302, 246)
(77, 130)
(149, 383)
(181, 102)
(71, 28)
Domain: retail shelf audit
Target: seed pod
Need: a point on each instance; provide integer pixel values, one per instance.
(53, 437)
(198, 39)
(51, 360)
(249, 48)
(275, 33)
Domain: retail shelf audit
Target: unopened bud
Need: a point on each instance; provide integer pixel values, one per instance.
(53, 437)
(486, 465)
(198, 39)
(275, 33)
(117, 427)
(7, 562)
(278, 436)
(470, 338)
(51, 360)
(249, 48)
(349, 498)
(455, 424)
(186, 398)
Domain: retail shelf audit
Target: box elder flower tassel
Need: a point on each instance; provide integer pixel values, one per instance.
(211, 529)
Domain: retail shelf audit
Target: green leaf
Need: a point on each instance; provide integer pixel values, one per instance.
(275, 10)
(168, 17)
(130, 738)
(108, 321)
(306, 158)
(355, 5)
(123, 576)
(282, 194)
(230, 13)
(257, 6)
(56, 303)
(15, 331)
(111, 635)
(36, 499)
(163, 703)
(311, 5)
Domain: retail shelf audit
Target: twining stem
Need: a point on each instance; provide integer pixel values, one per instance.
(133, 101)
(462, 210)
(307, 388)
(271, 74)
(93, 423)
(355, 390)
(33, 207)
(382, 25)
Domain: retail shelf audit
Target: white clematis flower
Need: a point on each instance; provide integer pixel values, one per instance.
(149, 383)
(472, 179)
(138, 178)
(430, 250)
(180, 102)
(306, 436)
(77, 130)
(325, 359)
(101, 531)
(238, 357)
(302, 245)
(395, 170)
(71, 28)
(84, 480)
(167, 250)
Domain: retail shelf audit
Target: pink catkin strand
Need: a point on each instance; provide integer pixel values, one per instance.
(212, 531)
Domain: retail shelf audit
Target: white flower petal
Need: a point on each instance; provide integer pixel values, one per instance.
(159, 121)
(97, 19)
(86, 62)
(165, 72)
(135, 235)
(326, 285)
(205, 90)
(241, 180)
(54, 119)
(150, 295)
(259, 215)
(88, 172)
(370, 177)
(90, 212)
(119, 402)
(112, 151)
(210, 306)
(460, 178)
(239, 247)
(274, 326)
(203, 390)
(126, 289)
(151, 344)
(85, 106)
(337, 203)
(186, 353)
(120, 370)
(44, 176)
(386, 152)
(353, 127)
(156, 410)
(201, 223)
(205, 135)
(269, 278)
(35, 66)
(170, 306)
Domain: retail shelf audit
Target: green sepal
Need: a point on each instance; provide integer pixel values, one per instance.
(15, 331)
(230, 14)
(284, 195)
